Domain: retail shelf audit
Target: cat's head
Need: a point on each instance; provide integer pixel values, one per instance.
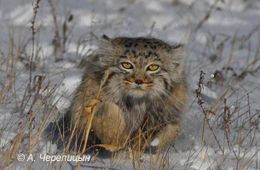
(140, 66)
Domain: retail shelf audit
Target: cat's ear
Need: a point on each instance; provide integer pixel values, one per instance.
(109, 46)
(104, 41)
(178, 58)
(105, 37)
(105, 50)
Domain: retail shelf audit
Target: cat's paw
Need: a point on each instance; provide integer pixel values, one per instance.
(154, 145)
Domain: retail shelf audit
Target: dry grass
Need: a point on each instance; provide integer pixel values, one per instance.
(230, 115)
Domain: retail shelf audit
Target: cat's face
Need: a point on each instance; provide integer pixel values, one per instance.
(142, 67)
(141, 76)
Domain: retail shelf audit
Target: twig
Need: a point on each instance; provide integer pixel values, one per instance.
(35, 11)
(206, 17)
(204, 110)
(57, 45)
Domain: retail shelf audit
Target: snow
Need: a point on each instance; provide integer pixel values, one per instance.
(21, 15)
(6, 138)
(230, 37)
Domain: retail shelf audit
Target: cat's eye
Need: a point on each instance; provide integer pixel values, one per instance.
(127, 65)
(153, 67)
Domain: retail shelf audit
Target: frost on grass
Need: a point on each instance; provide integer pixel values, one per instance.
(221, 124)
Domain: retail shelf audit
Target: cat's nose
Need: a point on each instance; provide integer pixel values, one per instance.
(139, 81)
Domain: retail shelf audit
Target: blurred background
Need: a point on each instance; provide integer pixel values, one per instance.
(43, 44)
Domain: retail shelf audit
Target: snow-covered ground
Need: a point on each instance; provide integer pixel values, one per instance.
(222, 39)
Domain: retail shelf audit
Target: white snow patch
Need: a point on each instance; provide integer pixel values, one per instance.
(155, 6)
(61, 103)
(49, 148)
(226, 20)
(201, 38)
(86, 19)
(134, 22)
(66, 89)
(21, 15)
(201, 159)
(237, 5)
(209, 93)
(47, 21)
(47, 49)
(6, 137)
(71, 83)
(67, 65)
(155, 142)
(187, 2)
(80, 49)
(161, 21)
(4, 116)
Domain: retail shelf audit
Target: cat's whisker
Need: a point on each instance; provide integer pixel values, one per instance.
(172, 97)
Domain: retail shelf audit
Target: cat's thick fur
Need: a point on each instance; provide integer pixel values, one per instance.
(136, 105)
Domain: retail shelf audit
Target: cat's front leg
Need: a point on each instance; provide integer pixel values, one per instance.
(110, 127)
(165, 136)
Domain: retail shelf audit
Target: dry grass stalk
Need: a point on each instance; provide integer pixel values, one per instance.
(57, 44)
(206, 17)
(205, 111)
